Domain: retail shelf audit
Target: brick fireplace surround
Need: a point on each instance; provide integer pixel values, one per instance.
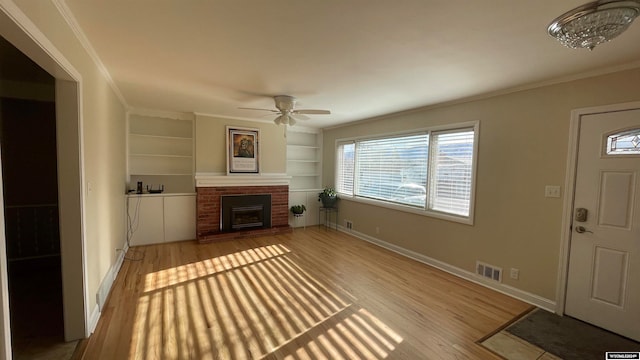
(210, 189)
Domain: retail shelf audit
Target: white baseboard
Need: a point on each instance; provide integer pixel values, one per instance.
(93, 319)
(525, 296)
(105, 288)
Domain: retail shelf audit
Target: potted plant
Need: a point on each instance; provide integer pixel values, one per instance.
(298, 210)
(328, 197)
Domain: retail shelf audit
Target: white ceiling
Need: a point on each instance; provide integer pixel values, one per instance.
(357, 58)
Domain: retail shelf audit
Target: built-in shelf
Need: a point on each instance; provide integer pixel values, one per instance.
(304, 162)
(161, 136)
(313, 191)
(305, 175)
(304, 166)
(167, 174)
(161, 150)
(303, 146)
(163, 155)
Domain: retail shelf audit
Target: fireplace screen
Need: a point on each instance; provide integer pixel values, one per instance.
(241, 212)
(247, 217)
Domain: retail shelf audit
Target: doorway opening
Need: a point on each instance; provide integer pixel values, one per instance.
(30, 186)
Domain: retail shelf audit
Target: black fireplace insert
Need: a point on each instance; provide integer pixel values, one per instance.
(243, 212)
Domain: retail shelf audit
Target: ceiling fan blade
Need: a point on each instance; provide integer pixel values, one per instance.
(302, 117)
(271, 110)
(312, 112)
(292, 121)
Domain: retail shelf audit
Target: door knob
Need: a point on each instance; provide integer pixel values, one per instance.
(581, 229)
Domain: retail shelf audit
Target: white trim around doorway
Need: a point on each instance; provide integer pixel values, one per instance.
(570, 180)
(27, 37)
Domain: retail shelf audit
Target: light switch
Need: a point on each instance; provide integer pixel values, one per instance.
(552, 191)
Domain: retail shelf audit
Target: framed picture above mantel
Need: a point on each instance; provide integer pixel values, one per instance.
(243, 150)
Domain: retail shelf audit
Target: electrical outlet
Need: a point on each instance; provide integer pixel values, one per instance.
(377, 230)
(514, 274)
(348, 224)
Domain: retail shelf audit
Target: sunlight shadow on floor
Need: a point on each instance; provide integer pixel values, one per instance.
(254, 303)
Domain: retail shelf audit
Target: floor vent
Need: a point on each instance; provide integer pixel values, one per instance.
(489, 271)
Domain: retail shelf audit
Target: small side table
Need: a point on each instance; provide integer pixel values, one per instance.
(327, 215)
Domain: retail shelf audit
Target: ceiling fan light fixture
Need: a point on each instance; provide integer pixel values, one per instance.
(284, 119)
(286, 110)
(594, 23)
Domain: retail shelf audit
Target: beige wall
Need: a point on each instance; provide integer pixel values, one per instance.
(211, 145)
(522, 148)
(103, 121)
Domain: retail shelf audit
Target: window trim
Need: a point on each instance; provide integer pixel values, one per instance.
(468, 220)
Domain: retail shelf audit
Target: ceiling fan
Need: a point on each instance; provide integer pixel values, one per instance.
(287, 114)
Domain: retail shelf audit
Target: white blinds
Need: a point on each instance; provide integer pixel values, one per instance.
(451, 173)
(430, 170)
(345, 167)
(393, 169)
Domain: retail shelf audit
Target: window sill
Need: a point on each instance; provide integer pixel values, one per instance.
(409, 209)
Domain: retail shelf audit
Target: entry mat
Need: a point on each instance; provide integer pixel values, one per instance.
(569, 338)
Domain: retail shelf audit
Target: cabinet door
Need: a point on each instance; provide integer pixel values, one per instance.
(146, 214)
(179, 218)
(310, 200)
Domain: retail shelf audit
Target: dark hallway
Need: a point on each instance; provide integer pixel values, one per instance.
(29, 177)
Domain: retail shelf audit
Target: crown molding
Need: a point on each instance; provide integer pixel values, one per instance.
(32, 32)
(67, 14)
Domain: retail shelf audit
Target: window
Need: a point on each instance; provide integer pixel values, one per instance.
(345, 163)
(624, 143)
(392, 169)
(452, 169)
(427, 171)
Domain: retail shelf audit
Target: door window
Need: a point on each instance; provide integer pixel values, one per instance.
(624, 143)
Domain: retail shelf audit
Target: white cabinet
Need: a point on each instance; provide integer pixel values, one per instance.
(310, 200)
(145, 214)
(161, 151)
(179, 218)
(154, 219)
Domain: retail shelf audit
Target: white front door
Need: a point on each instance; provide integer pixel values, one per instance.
(603, 286)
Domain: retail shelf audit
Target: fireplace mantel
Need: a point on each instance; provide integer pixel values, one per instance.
(222, 180)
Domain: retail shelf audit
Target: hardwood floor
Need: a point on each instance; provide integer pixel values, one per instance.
(310, 294)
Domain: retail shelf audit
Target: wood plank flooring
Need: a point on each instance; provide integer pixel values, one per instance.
(310, 294)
